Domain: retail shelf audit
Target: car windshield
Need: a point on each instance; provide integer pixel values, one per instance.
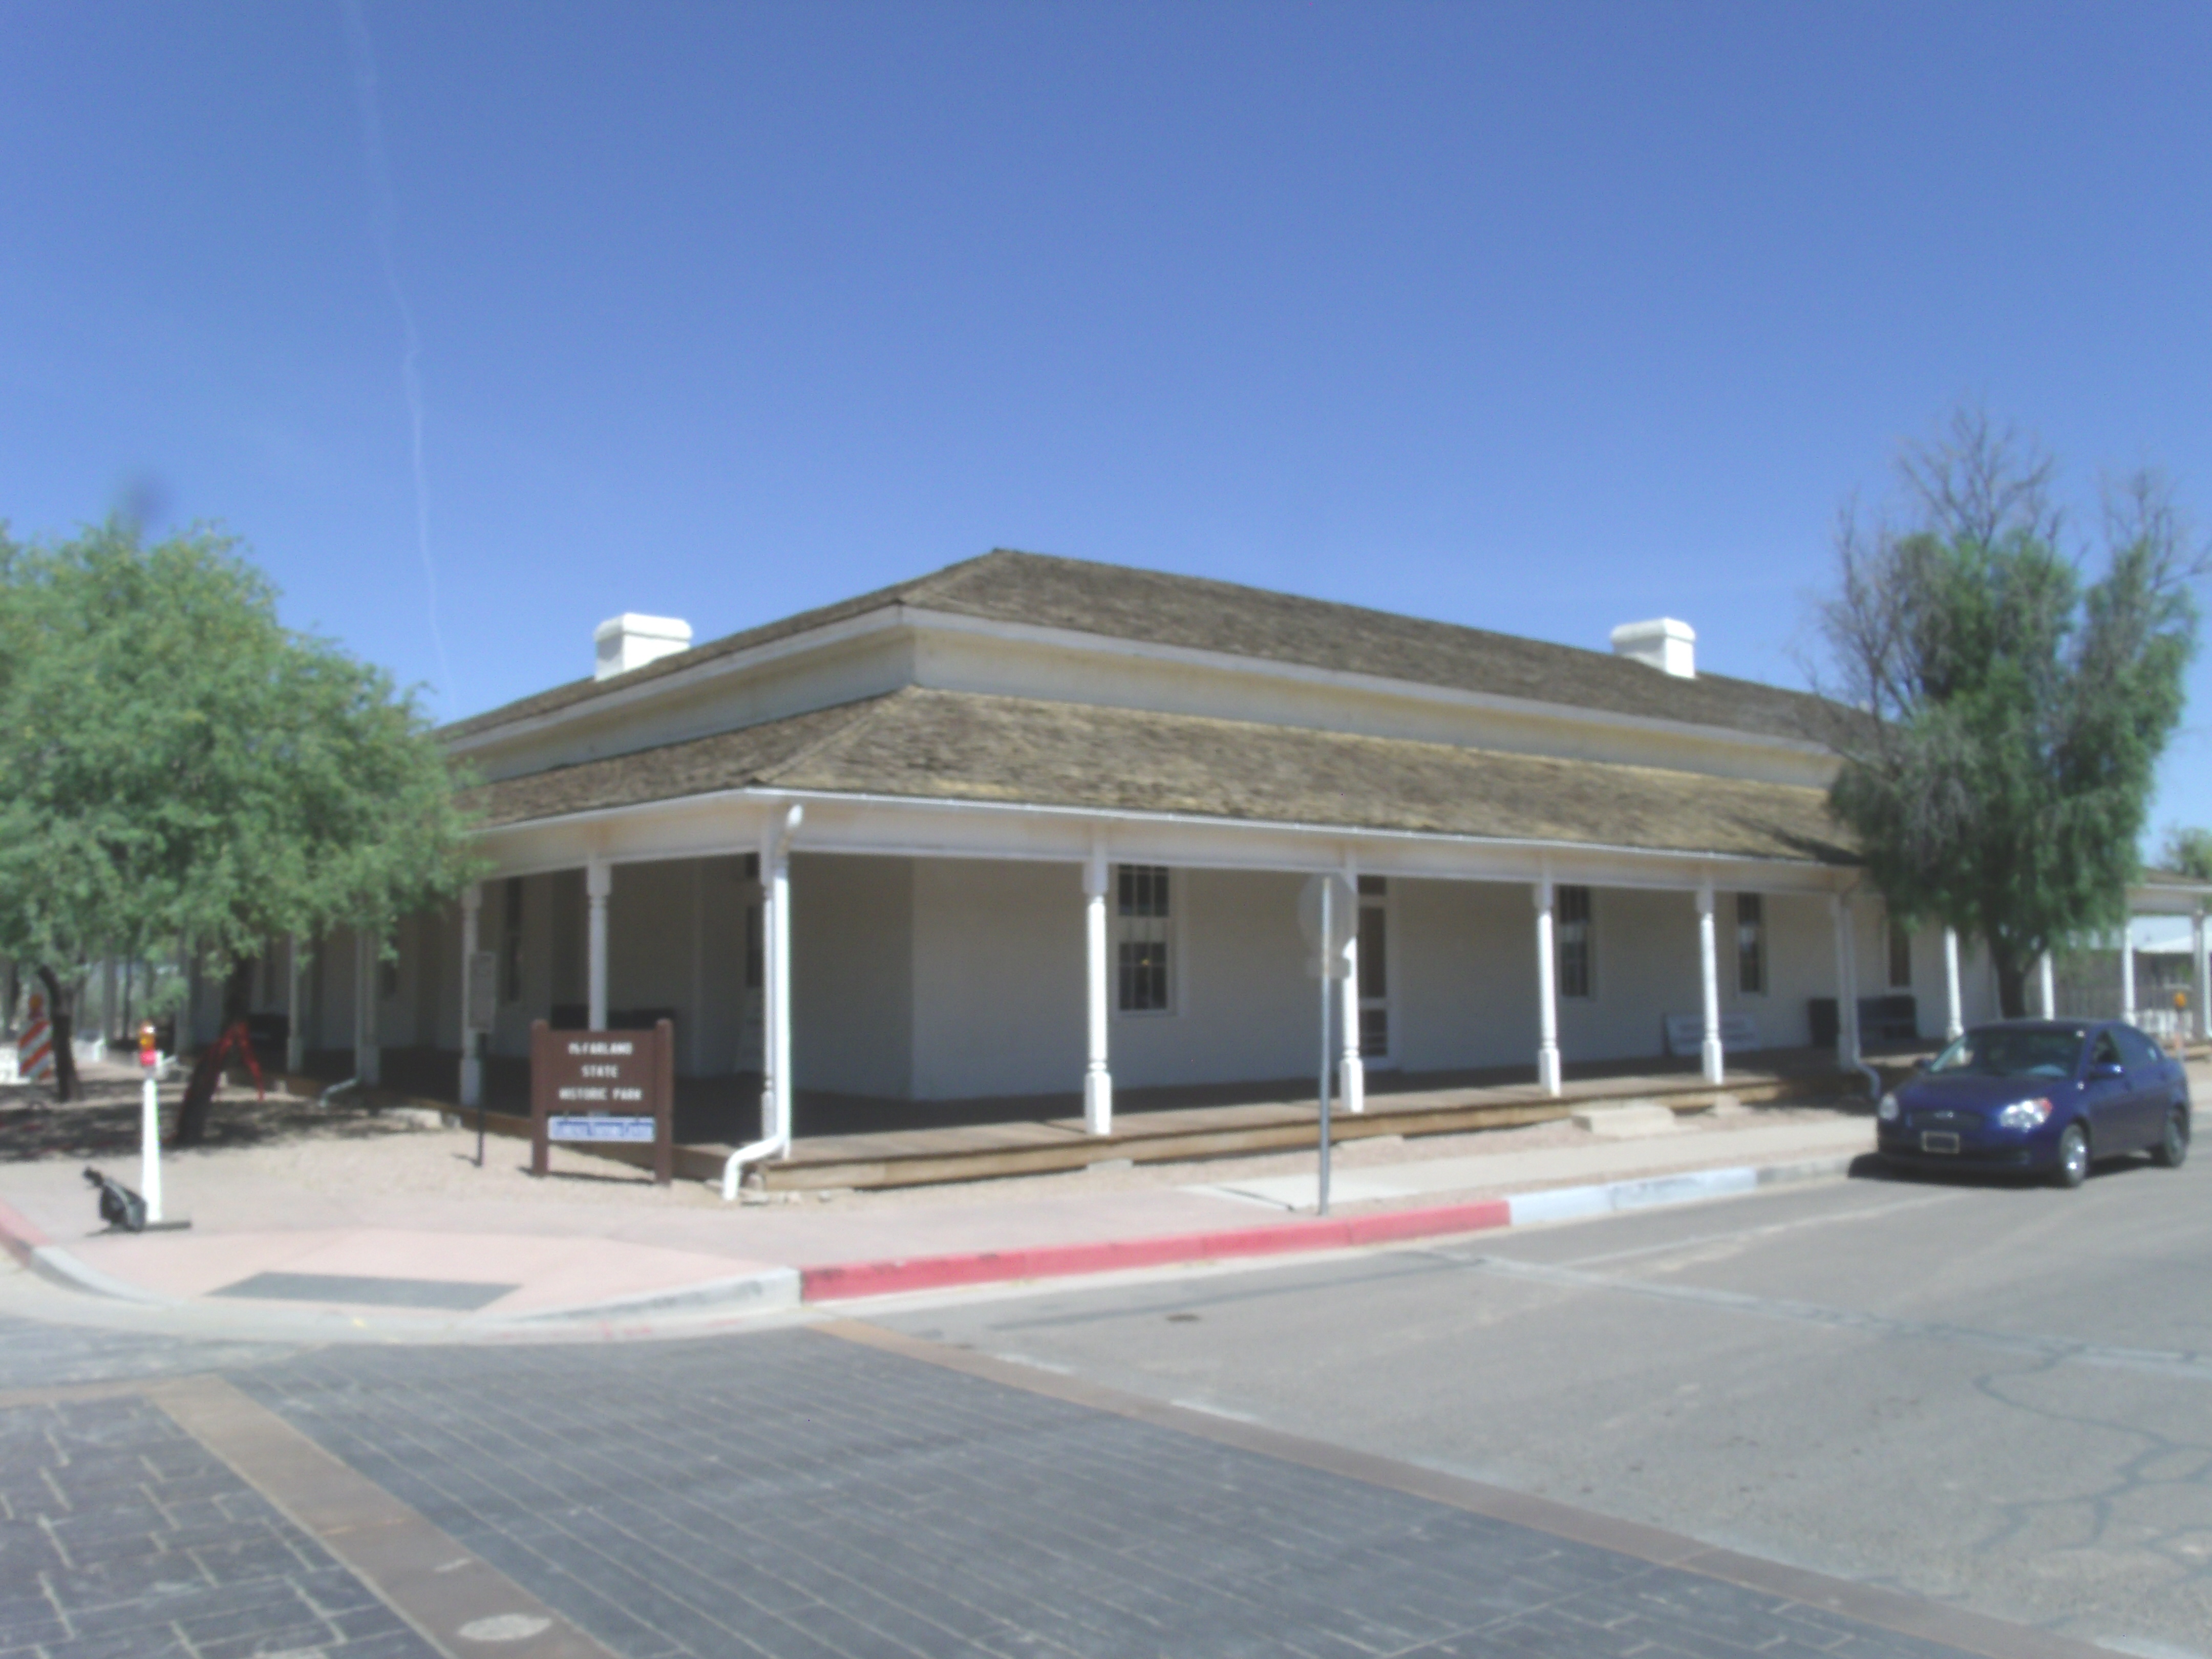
(2009, 1051)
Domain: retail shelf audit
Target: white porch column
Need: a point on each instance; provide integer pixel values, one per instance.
(471, 1063)
(775, 981)
(2046, 987)
(1098, 976)
(295, 1036)
(1709, 979)
(1847, 981)
(1351, 1072)
(1953, 1022)
(368, 1059)
(599, 882)
(1547, 993)
(2128, 971)
(2202, 975)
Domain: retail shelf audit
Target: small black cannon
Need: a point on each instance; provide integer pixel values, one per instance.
(118, 1206)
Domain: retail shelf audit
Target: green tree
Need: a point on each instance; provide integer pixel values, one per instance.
(2188, 853)
(179, 765)
(2000, 717)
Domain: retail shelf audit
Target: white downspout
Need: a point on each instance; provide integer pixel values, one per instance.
(775, 985)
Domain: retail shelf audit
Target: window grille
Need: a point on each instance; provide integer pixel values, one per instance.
(1572, 944)
(1751, 944)
(1143, 940)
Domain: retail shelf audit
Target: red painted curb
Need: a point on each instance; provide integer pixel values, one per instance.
(19, 1235)
(844, 1280)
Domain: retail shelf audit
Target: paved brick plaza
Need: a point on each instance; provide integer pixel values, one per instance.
(788, 1494)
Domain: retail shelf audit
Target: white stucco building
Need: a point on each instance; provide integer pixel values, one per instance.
(1034, 827)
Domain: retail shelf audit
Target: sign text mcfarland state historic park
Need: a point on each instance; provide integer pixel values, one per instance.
(601, 1088)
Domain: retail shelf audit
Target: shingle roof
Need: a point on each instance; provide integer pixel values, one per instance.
(1156, 608)
(915, 742)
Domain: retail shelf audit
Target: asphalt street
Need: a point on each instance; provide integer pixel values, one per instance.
(1996, 1395)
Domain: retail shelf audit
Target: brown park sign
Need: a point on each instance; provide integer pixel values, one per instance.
(603, 1089)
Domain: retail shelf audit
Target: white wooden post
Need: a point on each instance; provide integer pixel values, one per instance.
(1351, 1072)
(2046, 987)
(1710, 984)
(471, 931)
(2128, 971)
(1098, 976)
(2203, 976)
(1547, 993)
(1847, 981)
(783, 1059)
(1953, 1022)
(599, 882)
(295, 1035)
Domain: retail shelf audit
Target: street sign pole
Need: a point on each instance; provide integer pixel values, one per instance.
(1328, 985)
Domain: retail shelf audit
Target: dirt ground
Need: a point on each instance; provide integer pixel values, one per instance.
(346, 1148)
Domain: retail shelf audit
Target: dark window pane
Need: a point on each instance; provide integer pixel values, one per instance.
(1373, 952)
(1374, 1033)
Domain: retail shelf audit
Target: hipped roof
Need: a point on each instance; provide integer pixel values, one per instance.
(920, 743)
(1152, 607)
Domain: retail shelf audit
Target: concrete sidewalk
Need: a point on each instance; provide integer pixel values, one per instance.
(391, 1223)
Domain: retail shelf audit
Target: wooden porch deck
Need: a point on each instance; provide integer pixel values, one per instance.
(851, 1141)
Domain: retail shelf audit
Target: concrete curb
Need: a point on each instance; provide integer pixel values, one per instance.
(849, 1281)
(769, 1288)
(776, 1288)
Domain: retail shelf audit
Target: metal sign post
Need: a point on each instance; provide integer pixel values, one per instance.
(1328, 911)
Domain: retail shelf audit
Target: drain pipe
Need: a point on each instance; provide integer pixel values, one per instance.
(1873, 1078)
(323, 1099)
(775, 1025)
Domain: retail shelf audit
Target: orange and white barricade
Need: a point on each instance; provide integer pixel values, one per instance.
(35, 1049)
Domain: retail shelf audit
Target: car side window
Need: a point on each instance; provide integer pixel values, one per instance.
(2138, 1049)
(2106, 1052)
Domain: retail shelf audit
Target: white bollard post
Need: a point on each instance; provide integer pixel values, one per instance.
(1954, 1024)
(149, 1129)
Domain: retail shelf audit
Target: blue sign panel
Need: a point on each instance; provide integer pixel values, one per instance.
(601, 1128)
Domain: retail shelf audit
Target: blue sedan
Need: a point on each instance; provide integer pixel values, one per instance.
(2039, 1095)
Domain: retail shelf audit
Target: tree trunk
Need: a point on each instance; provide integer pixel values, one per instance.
(2012, 989)
(62, 1017)
(207, 1076)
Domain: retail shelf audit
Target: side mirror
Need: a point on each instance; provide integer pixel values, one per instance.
(1922, 1063)
(2107, 1071)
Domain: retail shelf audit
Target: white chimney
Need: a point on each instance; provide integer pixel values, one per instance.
(1662, 643)
(630, 641)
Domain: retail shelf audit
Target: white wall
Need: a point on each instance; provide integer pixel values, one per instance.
(854, 969)
(1463, 984)
(998, 978)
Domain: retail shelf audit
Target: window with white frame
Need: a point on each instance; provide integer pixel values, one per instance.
(1143, 940)
(1751, 945)
(1572, 944)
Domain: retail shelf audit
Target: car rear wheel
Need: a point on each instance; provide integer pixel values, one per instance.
(2073, 1158)
(2174, 1146)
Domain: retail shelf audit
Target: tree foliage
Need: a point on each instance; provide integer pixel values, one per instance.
(2006, 711)
(2188, 853)
(180, 766)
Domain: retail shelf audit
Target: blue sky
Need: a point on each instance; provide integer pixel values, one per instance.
(1541, 318)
